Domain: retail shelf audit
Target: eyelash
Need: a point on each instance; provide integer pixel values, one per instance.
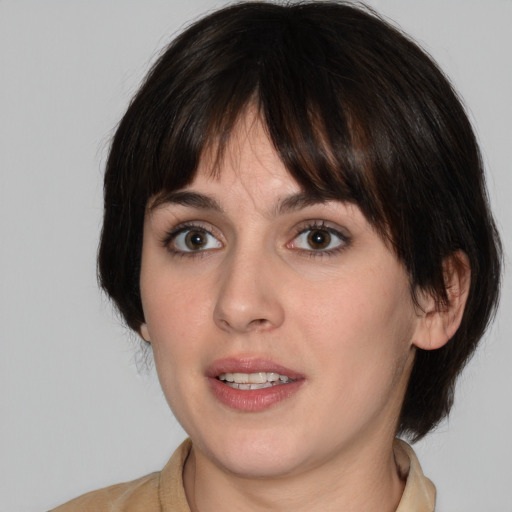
(321, 253)
(171, 236)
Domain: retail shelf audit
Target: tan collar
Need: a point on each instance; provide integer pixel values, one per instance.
(419, 494)
(171, 490)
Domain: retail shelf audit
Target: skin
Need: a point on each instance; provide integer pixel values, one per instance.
(341, 317)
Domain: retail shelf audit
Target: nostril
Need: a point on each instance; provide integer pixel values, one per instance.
(224, 323)
(258, 323)
(253, 325)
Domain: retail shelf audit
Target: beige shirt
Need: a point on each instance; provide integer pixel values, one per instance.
(164, 491)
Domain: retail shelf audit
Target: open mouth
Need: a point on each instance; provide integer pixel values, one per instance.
(257, 380)
(252, 384)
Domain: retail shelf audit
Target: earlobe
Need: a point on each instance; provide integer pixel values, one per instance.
(144, 333)
(438, 321)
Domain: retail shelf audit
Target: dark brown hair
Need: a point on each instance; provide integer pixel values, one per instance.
(357, 112)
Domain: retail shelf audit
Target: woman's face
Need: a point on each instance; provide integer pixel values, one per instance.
(281, 327)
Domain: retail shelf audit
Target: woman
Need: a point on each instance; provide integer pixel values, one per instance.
(296, 221)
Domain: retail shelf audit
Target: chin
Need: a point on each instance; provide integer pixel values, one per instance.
(253, 463)
(258, 455)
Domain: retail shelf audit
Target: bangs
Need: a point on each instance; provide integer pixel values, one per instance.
(284, 72)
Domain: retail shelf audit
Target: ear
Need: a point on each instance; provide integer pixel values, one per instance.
(438, 322)
(144, 333)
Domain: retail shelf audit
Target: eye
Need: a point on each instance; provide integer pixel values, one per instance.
(319, 238)
(192, 239)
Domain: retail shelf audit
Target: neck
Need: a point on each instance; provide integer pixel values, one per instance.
(365, 478)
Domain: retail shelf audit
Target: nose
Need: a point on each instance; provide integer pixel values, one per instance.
(249, 298)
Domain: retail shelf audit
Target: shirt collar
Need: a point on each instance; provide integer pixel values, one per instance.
(419, 493)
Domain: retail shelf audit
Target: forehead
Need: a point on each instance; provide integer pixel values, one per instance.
(247, 173)
(249, 178)
(247, 153)
(247, 167)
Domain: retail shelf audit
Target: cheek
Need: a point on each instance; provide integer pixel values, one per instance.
(172, 318)
(363, 326)
(176, 324)
(173, 309)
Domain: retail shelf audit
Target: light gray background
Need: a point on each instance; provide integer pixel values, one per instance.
(75, 412)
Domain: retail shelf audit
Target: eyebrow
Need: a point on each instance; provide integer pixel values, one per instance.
(297, 201)
(287, 204)
(190, 199)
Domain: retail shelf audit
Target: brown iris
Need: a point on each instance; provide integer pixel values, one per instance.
(319, 239)
(195, 240)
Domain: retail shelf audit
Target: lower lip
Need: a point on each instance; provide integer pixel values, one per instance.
(253, 400)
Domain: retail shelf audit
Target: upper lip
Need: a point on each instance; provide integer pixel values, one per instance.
(249, 365)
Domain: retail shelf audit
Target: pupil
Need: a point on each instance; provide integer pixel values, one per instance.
(319, 239)
(195, 240)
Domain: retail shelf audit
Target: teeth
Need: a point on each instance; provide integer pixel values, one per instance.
(246, 387)
(260, 386)
(257, 380)
(240, 378)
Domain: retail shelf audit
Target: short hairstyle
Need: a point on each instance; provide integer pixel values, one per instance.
(357, 112)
